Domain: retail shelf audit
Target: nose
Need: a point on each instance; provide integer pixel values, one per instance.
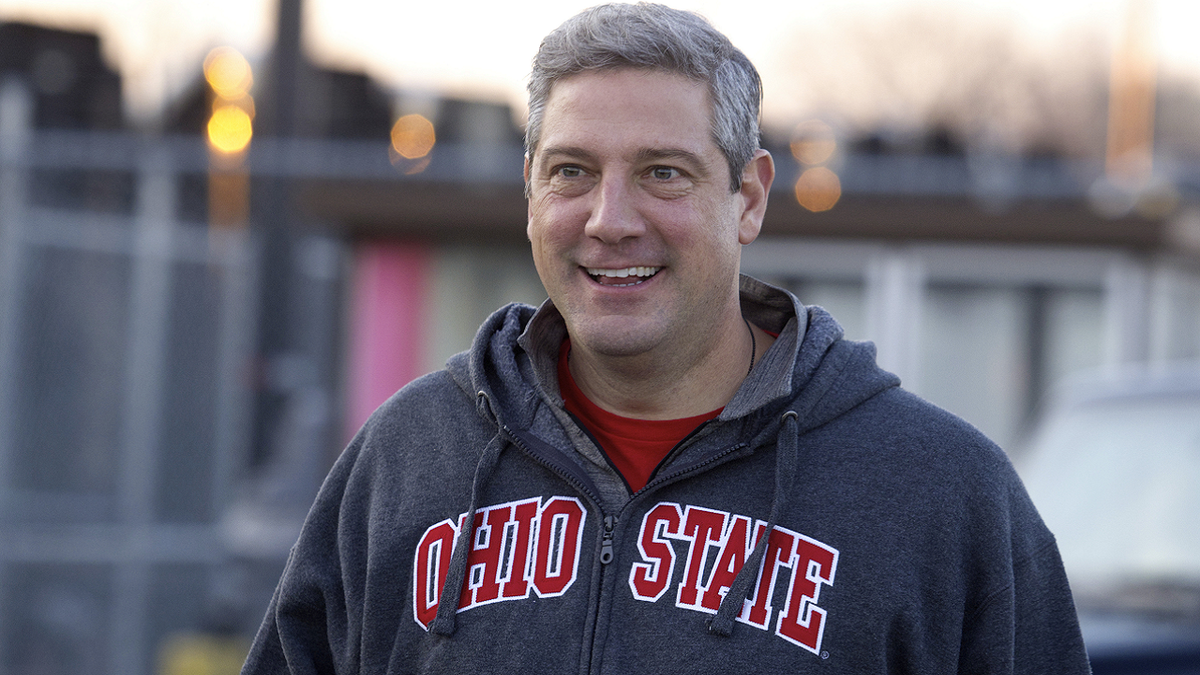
(614, 215)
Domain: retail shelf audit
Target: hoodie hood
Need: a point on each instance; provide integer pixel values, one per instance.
(496, 370)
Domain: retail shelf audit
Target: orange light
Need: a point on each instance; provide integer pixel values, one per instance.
(818, 189)
(1131, 105)
(229, 129)
(813, 142)
(413, 137)
(228, 73)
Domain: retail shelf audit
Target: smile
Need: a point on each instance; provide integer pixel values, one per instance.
(627, 276)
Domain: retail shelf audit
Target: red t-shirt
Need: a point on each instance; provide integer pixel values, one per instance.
(635, 447)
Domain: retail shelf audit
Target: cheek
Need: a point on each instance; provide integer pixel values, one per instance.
(704, 231)
(535, 225)
(537, 245)
(541, 234)
(554, 222)
(549, 242)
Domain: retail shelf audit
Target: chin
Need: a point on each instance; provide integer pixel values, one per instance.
(607, 346)
(616, 341)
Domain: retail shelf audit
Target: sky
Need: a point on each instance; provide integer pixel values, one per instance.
(483, 47)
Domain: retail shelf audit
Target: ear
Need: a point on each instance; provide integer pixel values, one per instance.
(756, 186)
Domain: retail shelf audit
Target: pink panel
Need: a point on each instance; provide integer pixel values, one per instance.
(387, 324)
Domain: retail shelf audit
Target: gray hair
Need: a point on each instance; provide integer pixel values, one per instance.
(657, 37)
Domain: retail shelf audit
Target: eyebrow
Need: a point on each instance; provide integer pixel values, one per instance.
(569, 151)
(694, 160)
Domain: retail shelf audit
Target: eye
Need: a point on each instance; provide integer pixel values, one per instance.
(568, 171)
(664, 173)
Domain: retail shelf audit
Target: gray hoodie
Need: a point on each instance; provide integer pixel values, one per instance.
(826, 522)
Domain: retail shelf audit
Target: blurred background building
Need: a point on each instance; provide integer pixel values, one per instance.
(197, 312)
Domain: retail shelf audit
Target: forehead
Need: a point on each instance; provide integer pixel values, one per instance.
(628, 106)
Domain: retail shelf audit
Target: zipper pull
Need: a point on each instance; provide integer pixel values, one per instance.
(606, 547)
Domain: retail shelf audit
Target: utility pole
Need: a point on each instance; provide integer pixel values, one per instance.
(274, 215)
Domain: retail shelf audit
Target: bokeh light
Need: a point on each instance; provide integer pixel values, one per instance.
(230, 129)
(413, 137)
(229, 76)
(228, 73)
(818, 189)
(813, 142)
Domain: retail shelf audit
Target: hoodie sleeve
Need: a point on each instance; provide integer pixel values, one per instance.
(341, 601)
(305, 631)
(1028, 625)
(291, 640)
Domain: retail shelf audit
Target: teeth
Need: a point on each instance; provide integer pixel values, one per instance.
(626, 272)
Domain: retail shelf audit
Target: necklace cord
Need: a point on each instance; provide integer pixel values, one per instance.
(753, 346)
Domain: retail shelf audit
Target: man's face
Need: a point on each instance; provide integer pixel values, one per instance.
(635, 233)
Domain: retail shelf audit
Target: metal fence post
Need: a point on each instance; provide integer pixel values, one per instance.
(16, 115)
(150, 293)
(895, 291)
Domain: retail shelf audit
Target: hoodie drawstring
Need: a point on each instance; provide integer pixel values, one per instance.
(786, 459)
(444, 622)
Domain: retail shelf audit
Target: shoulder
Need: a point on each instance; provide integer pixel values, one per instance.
(924, 479)
(429, 408)
(926, 454)
(896, 417)
(427, 396)
(427, 429)
(415, 453)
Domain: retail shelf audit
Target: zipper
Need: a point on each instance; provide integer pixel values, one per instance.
(659, 480)
(683, 443)
(606, 542)
(609, 523)
(603, 453)
(577, 482)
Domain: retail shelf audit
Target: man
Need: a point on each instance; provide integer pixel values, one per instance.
(667, 468)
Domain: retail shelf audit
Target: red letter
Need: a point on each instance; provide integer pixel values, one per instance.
(781, 546)
(430, 566)
(560, 534)
(520, 561)
(735, 546)
(649, 580)
(703, 527)
(486, 545)
(802, 622)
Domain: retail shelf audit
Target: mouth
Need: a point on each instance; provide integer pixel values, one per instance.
(623, 277)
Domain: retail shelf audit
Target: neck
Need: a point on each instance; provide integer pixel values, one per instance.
(671, 383)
